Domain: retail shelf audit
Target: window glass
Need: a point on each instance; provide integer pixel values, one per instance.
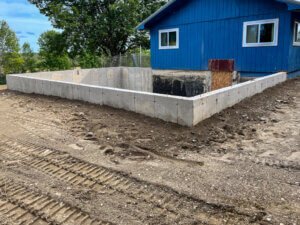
(164, 39)
(173, 38)
(252, 33)
(267, 32)
(297, 32)
(169, 38)
(261, 33)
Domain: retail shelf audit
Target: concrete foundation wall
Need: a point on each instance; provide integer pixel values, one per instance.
(181, 110)
(214, 102)
(138, 79)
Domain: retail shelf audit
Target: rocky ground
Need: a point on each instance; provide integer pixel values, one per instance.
(67, 162)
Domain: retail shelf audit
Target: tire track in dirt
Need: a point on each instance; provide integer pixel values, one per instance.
(267, 161)
(41, 131)
(44, 122)
(141, 214)
(37, 128)
(20, 205)
(77, 172)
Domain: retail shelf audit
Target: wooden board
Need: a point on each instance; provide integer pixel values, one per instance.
(221, 80)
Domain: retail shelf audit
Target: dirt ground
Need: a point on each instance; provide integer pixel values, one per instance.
(68, 162)
(3, 87)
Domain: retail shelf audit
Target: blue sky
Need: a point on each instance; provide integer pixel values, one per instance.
(25, 19)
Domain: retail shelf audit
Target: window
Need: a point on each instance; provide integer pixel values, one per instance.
(297, 34)
(261, 33)
(169, 39)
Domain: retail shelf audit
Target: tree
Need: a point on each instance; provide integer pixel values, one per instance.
(86, 60)
(10, 59)
(53, 51)
(99, 26)
(29, 58)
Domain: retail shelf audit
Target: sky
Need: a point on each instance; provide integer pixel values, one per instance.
(25, 19)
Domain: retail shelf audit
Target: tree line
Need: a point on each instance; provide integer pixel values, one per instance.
(86, 31)
(21, 59)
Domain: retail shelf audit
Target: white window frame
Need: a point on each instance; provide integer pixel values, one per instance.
(168, 31)
(295, 43)
(260, 22)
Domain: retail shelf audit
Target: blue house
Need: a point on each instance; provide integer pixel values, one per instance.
(261, 36)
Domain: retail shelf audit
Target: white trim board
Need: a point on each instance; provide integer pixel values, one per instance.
(295, 43)
(168, 31)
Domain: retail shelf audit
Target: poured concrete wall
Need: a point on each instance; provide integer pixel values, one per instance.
(181, 110)
(168, 108)
(138, 79)
(214, 102)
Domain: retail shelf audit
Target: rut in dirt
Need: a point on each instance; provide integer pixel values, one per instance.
(20, 205)
(176, 206)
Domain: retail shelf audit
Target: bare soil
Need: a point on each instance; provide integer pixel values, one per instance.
(68, 162)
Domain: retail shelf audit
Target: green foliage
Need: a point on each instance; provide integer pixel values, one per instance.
(99, 26)
(13, 63)
(53, 62)
(145, 52)
(52, 41)
(2, 79)
(8, 39)
(92, 30)
(53, 52)
(87, 60)
(10, 59)
(30, 61)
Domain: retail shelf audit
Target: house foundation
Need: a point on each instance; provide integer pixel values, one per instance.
(131, 89)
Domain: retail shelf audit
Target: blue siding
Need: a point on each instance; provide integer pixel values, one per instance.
(294, 51)
(214, 30)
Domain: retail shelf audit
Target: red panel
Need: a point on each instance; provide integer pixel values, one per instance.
(221, 65)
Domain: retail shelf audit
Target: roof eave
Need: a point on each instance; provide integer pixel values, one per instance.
(290, 1)
(142, 25)
(292, 4)
(292, 7)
